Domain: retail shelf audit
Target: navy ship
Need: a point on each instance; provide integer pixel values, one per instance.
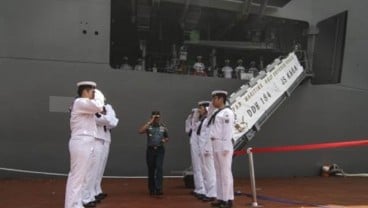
(46, 47)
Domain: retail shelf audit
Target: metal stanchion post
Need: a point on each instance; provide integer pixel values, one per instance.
(252, 178)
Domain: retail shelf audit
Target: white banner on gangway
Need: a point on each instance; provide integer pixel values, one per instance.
(250, 106)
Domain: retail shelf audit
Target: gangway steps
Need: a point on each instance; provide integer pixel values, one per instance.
(292, 67)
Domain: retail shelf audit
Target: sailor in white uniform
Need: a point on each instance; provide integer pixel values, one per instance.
(221, 133)
(105, 122)
(199, 190)
(206, 154)
(81, 143)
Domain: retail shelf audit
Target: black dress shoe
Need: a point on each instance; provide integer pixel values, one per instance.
(195, 194)
(208, 199)
(230, 202)
(225, 205)
(100, 196)
(201, 196)
(90, 204)
(159, 192)
(218, 203)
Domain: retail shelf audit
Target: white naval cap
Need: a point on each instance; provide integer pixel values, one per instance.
(90, 83)
(219, 92)
(99, 96)
(204, 103)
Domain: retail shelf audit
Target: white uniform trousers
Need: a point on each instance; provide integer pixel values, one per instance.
(102, 166)
(224, 176)
(196, 165)
(209, 174)
(89, 193)
(81, 152)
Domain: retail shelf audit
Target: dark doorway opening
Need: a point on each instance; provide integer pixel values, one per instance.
(123, 36)
(329, 50)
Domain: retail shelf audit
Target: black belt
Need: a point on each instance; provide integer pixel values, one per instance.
(155, 147)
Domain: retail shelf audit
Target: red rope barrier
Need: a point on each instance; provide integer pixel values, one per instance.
(304, 147)
(240, 152)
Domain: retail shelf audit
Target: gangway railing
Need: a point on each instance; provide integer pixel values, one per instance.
(255, 102)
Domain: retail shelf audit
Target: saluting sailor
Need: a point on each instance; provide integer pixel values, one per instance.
(106, 120)
(206, 154)
(157, 136)
(221, 133)
(199, 190)
(88, 195)
(81, 143)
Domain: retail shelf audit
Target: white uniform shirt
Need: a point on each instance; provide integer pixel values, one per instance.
(183, 55)
(221, 130)
(194, 125)
(227, 70)
(254, 71)
(194, 136)
(204, 138)
(138, 67)
(240, 69)
(199, 67)
(154, 69)
(82, 119)
(105, 123)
